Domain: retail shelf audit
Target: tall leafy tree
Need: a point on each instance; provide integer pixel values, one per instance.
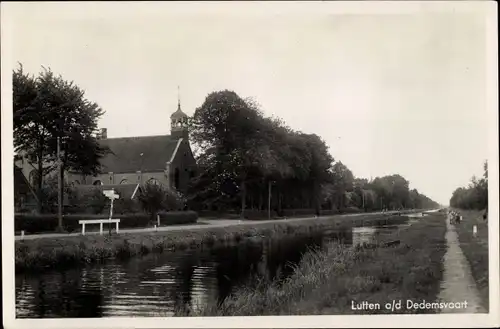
(475, 195)
(47, 108)
(227, 130)
(343, 181)
(247, 158)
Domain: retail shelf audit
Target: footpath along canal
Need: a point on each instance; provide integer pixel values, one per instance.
(458, 287)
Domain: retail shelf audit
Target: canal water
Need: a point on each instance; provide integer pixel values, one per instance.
(158, 284)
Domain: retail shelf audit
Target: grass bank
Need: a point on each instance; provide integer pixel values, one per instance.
(475, 250)
(329, 281)
(46, 253)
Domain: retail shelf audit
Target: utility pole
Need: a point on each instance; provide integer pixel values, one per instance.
(269, 200)
(142, 160)
(59, 185)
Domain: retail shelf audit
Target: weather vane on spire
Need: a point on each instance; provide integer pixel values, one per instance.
(178, 98)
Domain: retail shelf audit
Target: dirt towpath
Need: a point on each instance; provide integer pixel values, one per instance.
(457, 285)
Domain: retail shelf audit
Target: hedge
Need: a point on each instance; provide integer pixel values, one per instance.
(178, 217)
(255, 214)
(31, 223)
(222, 214)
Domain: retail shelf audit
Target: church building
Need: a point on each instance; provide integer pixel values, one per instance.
(163, 159)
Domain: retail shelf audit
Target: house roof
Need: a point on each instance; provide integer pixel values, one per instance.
(125, 156)
(126, 191)
(21, 184)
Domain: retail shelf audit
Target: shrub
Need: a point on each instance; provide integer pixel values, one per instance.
(126, 206)
(351, 210)
(213, 214)
(255, 214)
(177, 217)
(49, 194)
(155, 198)
(31, 223)
(90, 200)
(329, 212)
(298, 212)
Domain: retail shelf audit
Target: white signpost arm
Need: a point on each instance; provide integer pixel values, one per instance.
(111, 209)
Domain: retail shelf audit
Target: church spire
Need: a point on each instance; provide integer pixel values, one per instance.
(178, 98)
(179, 120)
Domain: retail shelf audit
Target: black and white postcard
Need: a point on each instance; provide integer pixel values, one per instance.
(250, 164)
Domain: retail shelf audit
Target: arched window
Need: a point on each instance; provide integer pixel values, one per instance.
(97, 182)
(33, 177)
(153, 181)
(124, 181)
(176, 178)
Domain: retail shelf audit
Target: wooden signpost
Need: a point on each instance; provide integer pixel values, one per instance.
(110, 194)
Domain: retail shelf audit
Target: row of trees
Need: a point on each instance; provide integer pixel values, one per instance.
(248, 160)
(475, 195)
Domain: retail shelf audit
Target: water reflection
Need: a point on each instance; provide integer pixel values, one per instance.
(157, 284)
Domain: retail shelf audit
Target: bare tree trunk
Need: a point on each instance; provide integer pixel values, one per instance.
(261, 198)
(280, 201)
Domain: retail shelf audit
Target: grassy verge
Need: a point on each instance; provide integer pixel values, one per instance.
(328, 281)
(46, 253)
(475, 250)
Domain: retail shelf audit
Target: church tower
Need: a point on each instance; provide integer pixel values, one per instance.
(179, 121)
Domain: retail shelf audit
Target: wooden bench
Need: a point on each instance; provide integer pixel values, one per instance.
(100, 222)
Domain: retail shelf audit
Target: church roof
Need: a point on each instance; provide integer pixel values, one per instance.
(21, 184)
(178, 114)
(125, 156)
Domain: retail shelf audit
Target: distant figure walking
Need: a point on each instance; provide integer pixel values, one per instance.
(454, 217)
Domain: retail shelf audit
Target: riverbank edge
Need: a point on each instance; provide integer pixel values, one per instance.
(475, 250)
(339, 279)
(50, 253)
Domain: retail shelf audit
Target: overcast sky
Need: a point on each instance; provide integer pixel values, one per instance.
(400, 93)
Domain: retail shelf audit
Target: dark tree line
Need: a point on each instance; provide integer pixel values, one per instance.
(475, 195)
(248, 160)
